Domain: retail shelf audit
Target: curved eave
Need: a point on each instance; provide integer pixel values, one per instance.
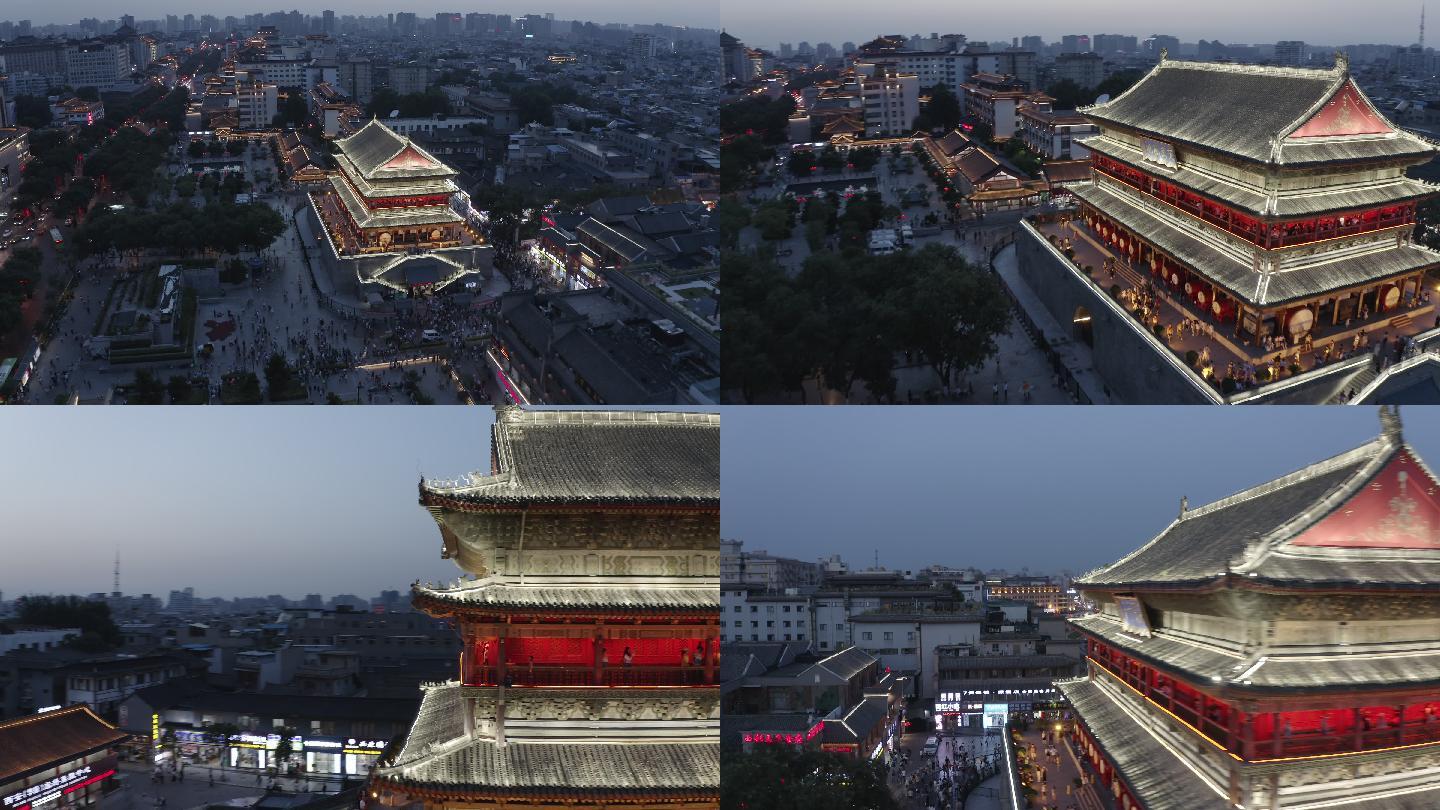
(1420, 155)
(1257, 213)
(446, 606)
(1261, 584)
(615, 795)
(513, 503)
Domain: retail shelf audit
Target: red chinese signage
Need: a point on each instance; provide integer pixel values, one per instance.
(1346, 113)
(1398, 508)
(773, 738)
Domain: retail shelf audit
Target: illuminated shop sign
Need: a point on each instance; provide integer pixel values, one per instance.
(155, 729)
(779, 738)
(336, 744)
(367, 747)
(57, 786)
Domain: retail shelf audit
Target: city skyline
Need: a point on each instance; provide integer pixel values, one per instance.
(631, 12)
(764, 25)
(1090, 486)
(334, 487)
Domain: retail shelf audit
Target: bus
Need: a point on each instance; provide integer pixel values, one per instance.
(55, 235)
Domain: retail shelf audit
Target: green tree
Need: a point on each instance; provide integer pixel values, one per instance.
(91, 618)
(32, 111)
(1068, 95)
(147, 390)
(954, 312)
(1117, 83)
(943, 108)
(781, 777)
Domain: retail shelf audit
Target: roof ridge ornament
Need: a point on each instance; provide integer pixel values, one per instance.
(1164, 54)
(1390, 423)
(1342, 63)
(1184, 505)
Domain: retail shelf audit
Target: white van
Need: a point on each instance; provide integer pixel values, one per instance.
(429, 334)
(931, 746)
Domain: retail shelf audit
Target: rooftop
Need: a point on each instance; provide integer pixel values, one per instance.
(595, 456)
(41, 741)
(1273, 115)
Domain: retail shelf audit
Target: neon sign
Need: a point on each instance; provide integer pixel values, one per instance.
(58, 783)
(773, 738)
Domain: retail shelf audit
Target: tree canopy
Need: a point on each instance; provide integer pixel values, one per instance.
(941, 112)
(784, 778)
(181, 229)
(845, 317)
(93, 619)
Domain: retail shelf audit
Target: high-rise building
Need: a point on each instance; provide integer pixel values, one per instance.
(257, 104)
(405, 23)
(1288, 665)
(97, 63)
(1085, 69)
(1290, 52)
(449, 24)
(327, 21)
(409, 79)
(1112, 44)
(642, 48)
(891, 99)
(354, 76)
(1163, 42)
(592, 624)
(1075, 43)
(1032, 43)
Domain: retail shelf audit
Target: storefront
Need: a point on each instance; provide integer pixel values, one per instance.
(312, 755)
(361, 755)
(57, 760)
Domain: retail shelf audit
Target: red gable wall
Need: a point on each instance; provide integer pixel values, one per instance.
(1346, 113)
(1399, 508)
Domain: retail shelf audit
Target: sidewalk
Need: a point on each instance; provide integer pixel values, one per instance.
(1076, 356)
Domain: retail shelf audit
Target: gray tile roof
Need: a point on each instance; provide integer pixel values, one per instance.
(441, 718)
(498, 594)
(596, 456)
(568, 767)
(375, 144)
(389, 217)
(1161, 780)
(1206, 541)
(1240, 278)
(1244, 110)
(859, 721)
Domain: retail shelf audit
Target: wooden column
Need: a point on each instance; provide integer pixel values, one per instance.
(599, 649)
(709, 660)
(1278, 738)
(1247, 737)
(1358, 741)
(1400, 724)
(500, 653)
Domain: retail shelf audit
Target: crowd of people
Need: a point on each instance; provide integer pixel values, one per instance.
(942, 780)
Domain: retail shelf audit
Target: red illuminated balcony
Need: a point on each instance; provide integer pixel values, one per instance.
(648, 675)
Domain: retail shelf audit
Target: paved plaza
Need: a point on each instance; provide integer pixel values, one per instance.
(339, 351)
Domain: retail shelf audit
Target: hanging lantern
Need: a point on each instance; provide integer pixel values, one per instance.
(1175, 278)
(1200, 297)
(1216, 308)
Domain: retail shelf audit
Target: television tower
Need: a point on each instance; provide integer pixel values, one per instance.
(1422, 27)
(115, 590)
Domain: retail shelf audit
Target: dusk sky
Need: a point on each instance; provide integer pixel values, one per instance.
(232, 501)
(761, 23)
(704, 15)
(1049, 488)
